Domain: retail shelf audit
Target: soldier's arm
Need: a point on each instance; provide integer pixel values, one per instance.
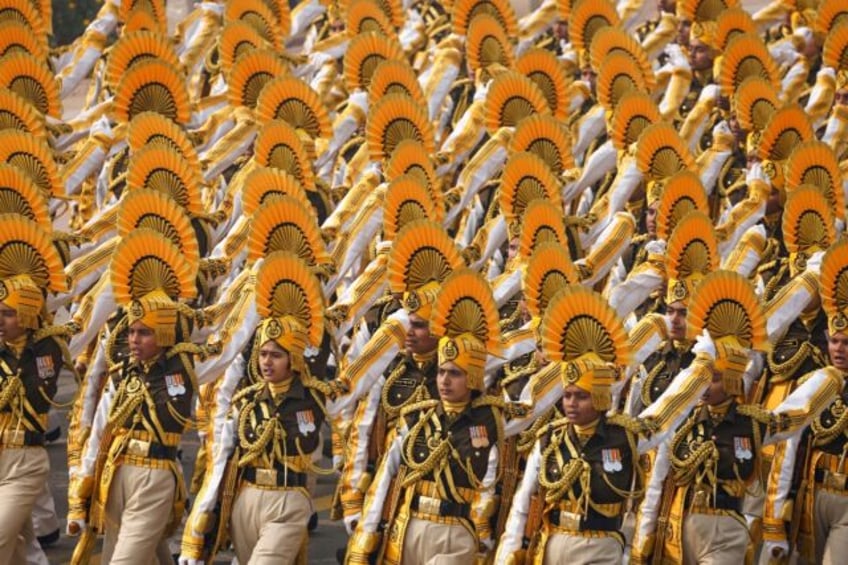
(512, 540)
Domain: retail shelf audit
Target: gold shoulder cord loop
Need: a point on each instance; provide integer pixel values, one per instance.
(824, 435)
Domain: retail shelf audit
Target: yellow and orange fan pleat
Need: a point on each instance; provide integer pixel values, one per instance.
(282, 14)
(525, 178)
(45, 10)
(542, 223)
(264, 185)
(511, 98)
(143, 20)
(726, 305)
(293, 101)
(134, 48)
(407, 200)
(788, 128)
(587, 18)
(543, 68)
(250, 75)
(704, 10)
(32, 156)
(692, 247)
(422, 252)
(150, 209)
(16, 37)
(258, 16)
(395, 119)
(487, 43)
(145, 261)
(660, 152)
(237, 39)
(152, 86)
(579, 321)
(610, 40)
(464, 11)
(17, 113)
(682, 194)
(286, 224)
(733, 22)
(465, 305)
(564, 9)
(830, 14)
(366, 16)
(835, 52)
(814, 162)
(160, 168)
(20, 195)
(23, 11)
(364, 53)
(635, 112)
(619, 75)
(286, 286)
(28, 77)
(150, 128)
(549, 270)
(833, 281)
(746, 56)
(410, 158)
(27, 249)
(392, 9)
(395, 77)
(155, 8)
(807, 220)
(279, 146)
(755, 103)
(546, 137)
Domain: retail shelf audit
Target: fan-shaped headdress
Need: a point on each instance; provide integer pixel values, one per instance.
(251, 74)
(546, 137)
(511, 98)
(151, 85)
(543, 68)
(542, 223)
(808, 226)
(549, 270)
(394, 119)
(407, 200)
(692, 253)
(833, 284)
(679, 196)
(525, 178)
(286, 224)
(395, 77)
(31, 79)
(279, 146)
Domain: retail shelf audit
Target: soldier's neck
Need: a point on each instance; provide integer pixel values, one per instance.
(423, 358)
(17, 345)
(586, 431)
(279, 388)
(454, 407)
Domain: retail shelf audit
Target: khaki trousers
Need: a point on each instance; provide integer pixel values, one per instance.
(22, 475)
(429, 543)
(269, 526)
(831, 523)
(138, 510)
(713, 540)
(577, 550)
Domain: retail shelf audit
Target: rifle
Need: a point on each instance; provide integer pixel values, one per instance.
(662, 520)
(509, 463)
(390, 506)
(800, 476)
(533, 526)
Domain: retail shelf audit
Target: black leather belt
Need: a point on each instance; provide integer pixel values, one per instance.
(274, 477)
(721, 501)
(835, 481)
(445, 507)
(592, 522)
(21, 438)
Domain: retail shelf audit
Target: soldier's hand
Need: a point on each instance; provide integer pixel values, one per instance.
(189, 561)
(351, 522)
(76, 527)
(775, 552)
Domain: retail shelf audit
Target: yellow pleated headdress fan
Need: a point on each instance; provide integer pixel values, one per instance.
(618, 76)
(754, 103)
(31, 79)
(290, 301)
(24, 12)
(264, 185)
(30, 265)
(487, 43)
(733, 22)
(511, 98)
(282, 14)
(808, 226)
(286, 224)
(587, 18)
(542, 223)
(395, 77)
(526, 177)
(833, 286)
(421, 257)
(582, 332)
(789, 127)
(746, 56)
(691, 254)
(293, 101)
(814, 162)
(236, 40)
(835, 51)
(251, 73)
(394, 119)
(32, 156)
(279, 146)
(726, 306)
(543, 68)
(660, 152)
(610, 40)
(465, 317)
(158, 167)
(635, 112)
(20, 195)
(407, 200)
(366, 16)
(703, 10)
(151, 85)
(410, 158)
(259, 16)
(18, 114)
(564, 9)
(363, 54)
(680, 195)
(549, 270)
(142, 18)
(546, 137)
(149, 276)
(154, 210)
(17, 37)
(830, 14)
(155, 9)
(393, 10)
(133, 48)
(464, 11)
(150, 128)
(45, 12)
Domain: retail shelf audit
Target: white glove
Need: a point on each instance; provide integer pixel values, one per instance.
(756, 172)
(80, 524)
(772, 550)
(190, 561)
(722, 128)
(351, 522)
(704, 344)
(814, 262)
(488, 543)
(655, 247)
(676, 58)
(709, 92)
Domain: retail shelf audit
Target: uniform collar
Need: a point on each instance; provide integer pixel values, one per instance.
(296, 390)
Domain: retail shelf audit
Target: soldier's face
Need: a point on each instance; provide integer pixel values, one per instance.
(675, 314)
(651, 219)
(577, 405)
(837, 349)
(142, 343)
(512, 249)
(452, 383)
(715, 393)
(418, 339)
(10, 329)
(700, 55)
(274, 362)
